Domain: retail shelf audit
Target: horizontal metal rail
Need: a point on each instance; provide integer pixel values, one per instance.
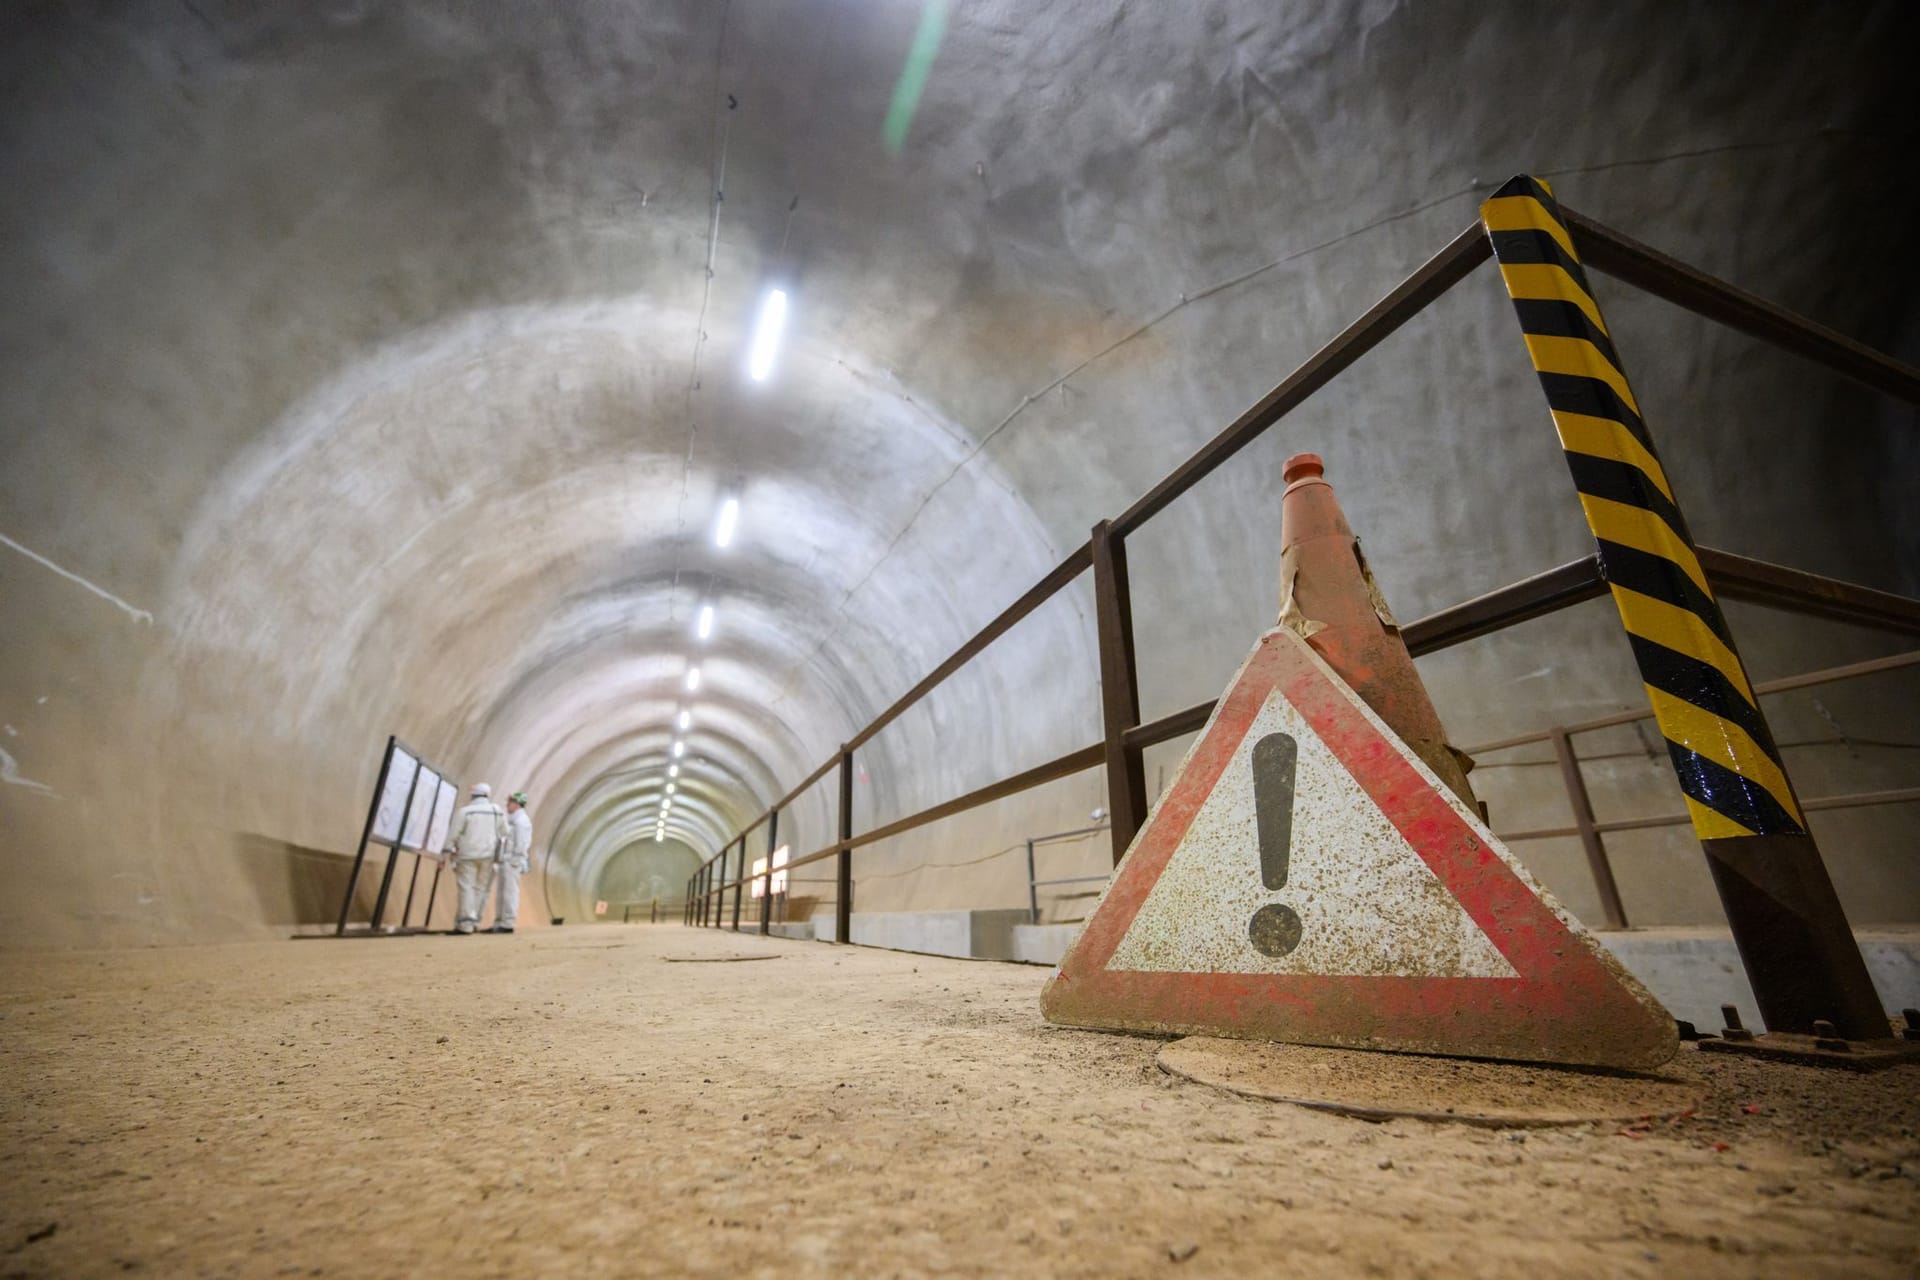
(1434, 277)
(1785, 684)
(1629, 261)
(1543, 593)
(1859, 800)
(1577, 581)
(1059, 767)
(1055, 837)
(1761, 582)
(1076, 563)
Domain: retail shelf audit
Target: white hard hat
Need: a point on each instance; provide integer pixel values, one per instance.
(482, 789)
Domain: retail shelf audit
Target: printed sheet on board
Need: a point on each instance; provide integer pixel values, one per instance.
(446, 802)
(420, 812)
(393, 797)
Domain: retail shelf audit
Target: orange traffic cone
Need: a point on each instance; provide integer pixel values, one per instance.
(1328, 596)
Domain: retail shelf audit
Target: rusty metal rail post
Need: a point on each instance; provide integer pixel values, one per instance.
(740, 890)
(433, 891)
(1119, 687)
(766, 882)
(1033, 888)
(843, 879)
(1596, 850)
(1793, 936)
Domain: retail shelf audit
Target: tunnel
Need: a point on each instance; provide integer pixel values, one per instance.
(627, 405)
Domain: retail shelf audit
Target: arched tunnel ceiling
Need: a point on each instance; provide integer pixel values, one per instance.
(390, 355)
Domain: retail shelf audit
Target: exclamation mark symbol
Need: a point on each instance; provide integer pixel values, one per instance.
(1274, 929)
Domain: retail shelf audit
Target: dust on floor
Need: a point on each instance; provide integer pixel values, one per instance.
(566, 1102)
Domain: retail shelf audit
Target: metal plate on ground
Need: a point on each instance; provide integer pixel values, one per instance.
(1388, 1086)
(713, 959)
(1821, 1051)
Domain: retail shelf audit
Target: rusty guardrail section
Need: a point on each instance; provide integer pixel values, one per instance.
(1125, 737)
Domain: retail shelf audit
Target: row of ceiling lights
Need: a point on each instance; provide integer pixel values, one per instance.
(766, 346)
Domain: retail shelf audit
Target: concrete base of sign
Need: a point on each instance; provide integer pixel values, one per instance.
(1692, 971)
(1388, 1086)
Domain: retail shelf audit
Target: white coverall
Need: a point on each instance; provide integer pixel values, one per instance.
(513, 863)
(475, 842)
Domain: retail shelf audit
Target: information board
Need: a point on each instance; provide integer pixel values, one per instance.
(393, 797)
(444, 804)
(420, 812)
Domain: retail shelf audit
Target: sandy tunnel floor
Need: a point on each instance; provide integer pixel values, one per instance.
(568, 1102)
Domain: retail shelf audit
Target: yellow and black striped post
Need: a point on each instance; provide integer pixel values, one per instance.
(1793, 937)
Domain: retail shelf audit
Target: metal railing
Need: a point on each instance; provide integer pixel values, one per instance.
(653, 910)
(1034, 885)
(1125, 737)
(1592, 830)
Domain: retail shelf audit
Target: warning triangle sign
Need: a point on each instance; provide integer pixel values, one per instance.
(1308, 879)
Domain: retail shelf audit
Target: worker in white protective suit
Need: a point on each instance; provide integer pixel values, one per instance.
(478, 838)
(514, 861)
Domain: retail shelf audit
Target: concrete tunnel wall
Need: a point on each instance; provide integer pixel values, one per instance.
(363, 376)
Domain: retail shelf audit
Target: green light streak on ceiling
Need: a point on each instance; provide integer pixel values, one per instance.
(913, 76)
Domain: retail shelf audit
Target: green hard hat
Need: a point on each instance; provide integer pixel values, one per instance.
(518, 797)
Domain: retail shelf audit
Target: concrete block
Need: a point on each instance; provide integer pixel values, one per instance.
(1692, 971)
(1043, 943)
(978, 935)
(1695, 971)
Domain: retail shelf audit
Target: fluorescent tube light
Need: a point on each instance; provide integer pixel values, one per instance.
(766, 335)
